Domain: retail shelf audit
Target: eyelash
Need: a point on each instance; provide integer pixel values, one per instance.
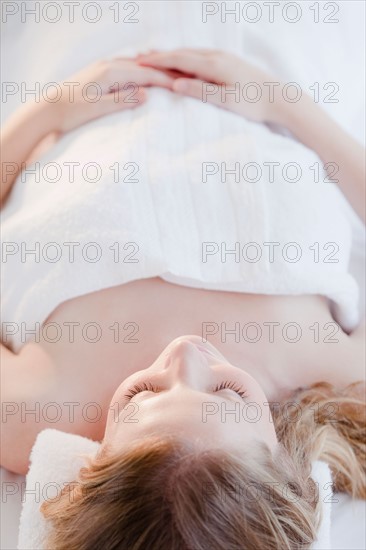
(231, 386)
(138, 388)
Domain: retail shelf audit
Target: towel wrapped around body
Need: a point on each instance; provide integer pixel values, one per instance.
(181, 190)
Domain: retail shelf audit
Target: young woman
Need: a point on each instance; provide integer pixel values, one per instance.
(204, 445)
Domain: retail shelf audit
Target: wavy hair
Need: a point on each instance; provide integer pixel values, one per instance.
(165, 494)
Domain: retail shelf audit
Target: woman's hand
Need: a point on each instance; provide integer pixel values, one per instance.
(220, 78)
(209, 75)
(101, 89)
(104, 88)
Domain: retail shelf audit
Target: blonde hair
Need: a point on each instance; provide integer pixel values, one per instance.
(167, 494)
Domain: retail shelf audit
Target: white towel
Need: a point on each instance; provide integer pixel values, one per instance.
(56, 460)
(169, 212)
(267, 237)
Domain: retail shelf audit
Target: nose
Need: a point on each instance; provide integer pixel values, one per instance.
(188, 364)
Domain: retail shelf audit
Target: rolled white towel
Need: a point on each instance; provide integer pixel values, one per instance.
(56, 459)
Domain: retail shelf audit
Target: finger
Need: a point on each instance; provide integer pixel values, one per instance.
(142, 76)
(181, 60)
(200, 51)
(121, 100)
(207, 92)
(149, 76)
(122, 71)
(173, 73)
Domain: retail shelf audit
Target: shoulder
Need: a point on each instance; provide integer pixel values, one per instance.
(345, 358)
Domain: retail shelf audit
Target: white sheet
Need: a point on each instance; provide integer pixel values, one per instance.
(305, 52)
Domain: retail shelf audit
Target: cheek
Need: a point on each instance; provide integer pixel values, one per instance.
(118, 419)
(267, 427)
(257, 414)
(118, 398)
(255, 425)
(108, 432)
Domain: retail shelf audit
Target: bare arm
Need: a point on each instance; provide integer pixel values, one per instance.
(25, 379)
(318, 131)
(19, 137)
(29, 126)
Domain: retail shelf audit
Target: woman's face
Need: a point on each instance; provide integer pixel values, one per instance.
(193, 392)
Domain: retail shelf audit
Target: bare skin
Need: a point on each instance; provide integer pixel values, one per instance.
(83, 372)
(73, 373)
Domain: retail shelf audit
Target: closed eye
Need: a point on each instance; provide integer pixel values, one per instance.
(138, 388)
(231, 386)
